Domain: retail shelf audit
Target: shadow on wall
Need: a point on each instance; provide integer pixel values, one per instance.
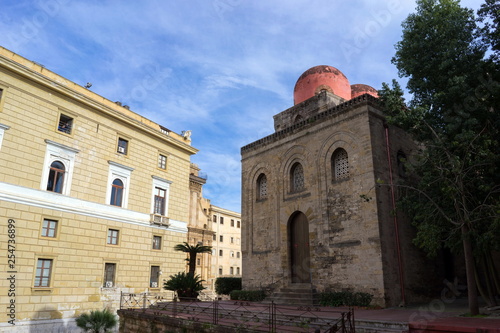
(49, 320)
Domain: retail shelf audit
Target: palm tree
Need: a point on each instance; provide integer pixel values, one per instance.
(192, 251)
(97, 321)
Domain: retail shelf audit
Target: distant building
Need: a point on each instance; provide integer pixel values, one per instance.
(315, 217)
(217, 227)
(226, 242)
(92, 195)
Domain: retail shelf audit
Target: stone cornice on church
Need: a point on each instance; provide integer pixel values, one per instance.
(365, 99)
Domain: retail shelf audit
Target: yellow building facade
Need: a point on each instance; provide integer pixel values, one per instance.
(93, 197)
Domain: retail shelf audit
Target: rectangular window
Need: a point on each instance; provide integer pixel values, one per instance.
(109, 275)
(198, 261)
(232, 240)
(220, 270)
(214, 218)
(220, 253)
(49, 228)
(221, 220)
(162, 161)
(232, 223)
(160, 197)
(214, 237)
(221, 238)
(43, 272)
(237, 254)
(122, 146)
(232, 254)
(231, 270)
(156, 242)
(155, 276)
(238, 224)
(237, 271)
(113, 236)
(65, 124)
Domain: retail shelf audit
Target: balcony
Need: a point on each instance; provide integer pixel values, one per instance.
(159, 220)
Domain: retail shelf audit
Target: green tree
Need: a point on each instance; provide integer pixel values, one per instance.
(192, 251)
(97, 321)
(453, 200)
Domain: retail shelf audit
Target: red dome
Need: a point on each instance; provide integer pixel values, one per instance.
(320, 78)
(360, 89)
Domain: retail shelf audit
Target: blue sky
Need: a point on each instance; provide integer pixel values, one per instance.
(220, 68)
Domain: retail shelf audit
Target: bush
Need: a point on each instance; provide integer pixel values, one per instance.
(248, 295)
(97, 321)
(186, 285)
(348, 298)
(224, 285)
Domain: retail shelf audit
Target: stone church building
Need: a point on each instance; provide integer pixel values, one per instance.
(317, 205)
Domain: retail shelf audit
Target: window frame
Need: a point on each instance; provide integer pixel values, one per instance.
(71, 123)
(121, 148)
(55, 229)
(64, 154)
(56, 175)
(162, 161)
(105, 275)
(3, 128)
(40, 277)
(261, 181)
(123, 173)
(158, 273)
(163, 184)
(336, 164)
(159, 243)
(294, 174)
(113, 237)
(3, 92)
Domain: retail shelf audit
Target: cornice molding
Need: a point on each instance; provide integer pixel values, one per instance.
(55, 201)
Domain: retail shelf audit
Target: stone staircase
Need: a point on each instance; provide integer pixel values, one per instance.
(294, 294)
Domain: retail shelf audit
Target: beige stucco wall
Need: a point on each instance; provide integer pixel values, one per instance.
(30, 106)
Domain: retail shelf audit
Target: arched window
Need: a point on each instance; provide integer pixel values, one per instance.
(116, 193)
(56, 177)
(340, 164)
(401, 159)
(262, 187)
(297, 178)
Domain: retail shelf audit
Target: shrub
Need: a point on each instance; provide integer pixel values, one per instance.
(224, 285)
(186, 285)
(97, 321)
(248, 295)
(348, 298)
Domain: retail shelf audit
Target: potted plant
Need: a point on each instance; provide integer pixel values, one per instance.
(185, 285)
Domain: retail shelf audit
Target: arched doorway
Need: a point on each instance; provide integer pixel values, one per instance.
(298, 232)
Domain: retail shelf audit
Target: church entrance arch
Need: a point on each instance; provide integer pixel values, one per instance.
(298, 233)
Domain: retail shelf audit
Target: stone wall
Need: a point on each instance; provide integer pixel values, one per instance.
(352, 236)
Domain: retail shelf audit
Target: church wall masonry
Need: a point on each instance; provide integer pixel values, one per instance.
(317, 205)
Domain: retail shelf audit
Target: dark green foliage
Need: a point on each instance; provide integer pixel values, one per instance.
(248, 295)
(185, 284)
(97, 321)
(224, 285)
(192, 251)
(452, 193)
(345, 298)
